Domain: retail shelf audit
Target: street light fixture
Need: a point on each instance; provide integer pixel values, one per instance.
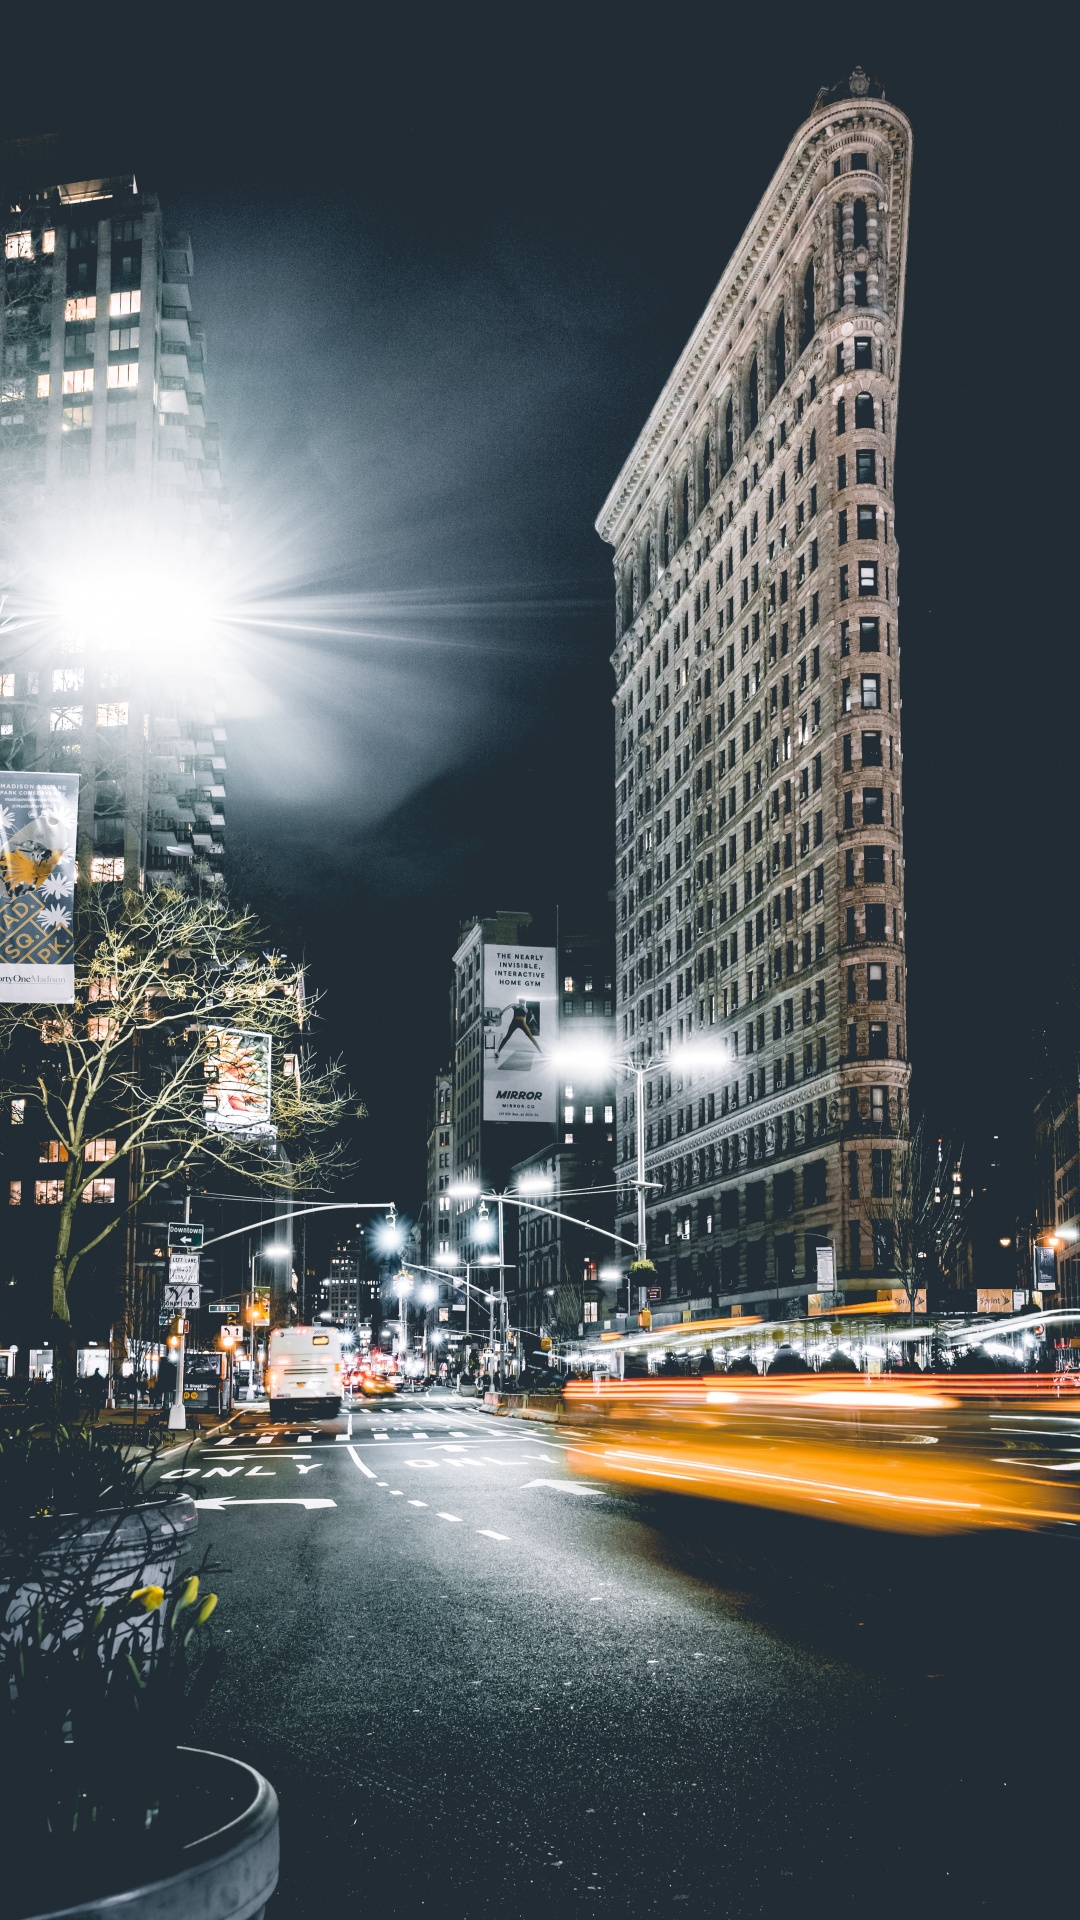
(597, 1059)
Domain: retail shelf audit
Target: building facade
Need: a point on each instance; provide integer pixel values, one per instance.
(111, 507)
(1055, 1269)
(759, 860)
(436, 1238)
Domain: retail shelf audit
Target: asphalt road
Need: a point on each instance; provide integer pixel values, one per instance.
(482, 1687)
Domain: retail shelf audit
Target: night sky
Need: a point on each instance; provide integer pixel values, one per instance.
(446, 259)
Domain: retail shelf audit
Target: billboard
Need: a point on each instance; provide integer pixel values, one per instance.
(237, 1094)
(37, 886)
(520, 1032)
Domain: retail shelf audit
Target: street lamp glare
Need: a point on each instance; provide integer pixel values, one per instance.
(536, 1183)
(585, 1058)
(464, 1190)
(700, 1053)
(279, 1250)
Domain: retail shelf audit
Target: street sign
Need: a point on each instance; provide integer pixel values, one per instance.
(225, 1306)
(179, 1296)
(186, 1234)
(825, 1269)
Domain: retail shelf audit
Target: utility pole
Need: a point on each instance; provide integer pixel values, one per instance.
(178, 1413)
(502, 1305)
(639, 1132)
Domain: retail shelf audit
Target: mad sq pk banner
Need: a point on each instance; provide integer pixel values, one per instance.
(520, 1033)
(37, 886)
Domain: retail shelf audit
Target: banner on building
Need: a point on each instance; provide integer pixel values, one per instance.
(520, 1031)
(37, 886)
(237, 1095)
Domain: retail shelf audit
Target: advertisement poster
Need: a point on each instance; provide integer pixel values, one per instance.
(37, 886)
(520, 1033)
(237, 1096)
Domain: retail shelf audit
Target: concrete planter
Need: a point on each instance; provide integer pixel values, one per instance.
(104, 1554)
(227, 1873)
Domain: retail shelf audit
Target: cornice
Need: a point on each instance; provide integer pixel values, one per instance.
(685, 384)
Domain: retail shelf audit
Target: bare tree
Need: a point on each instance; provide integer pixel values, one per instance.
(124, 1083)
(916, 1210)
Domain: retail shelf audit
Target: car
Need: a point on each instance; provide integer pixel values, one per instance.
(377, 1386)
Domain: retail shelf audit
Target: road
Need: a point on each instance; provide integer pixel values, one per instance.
(482, 1687)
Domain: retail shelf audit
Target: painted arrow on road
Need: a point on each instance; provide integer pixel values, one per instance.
(231, 1500)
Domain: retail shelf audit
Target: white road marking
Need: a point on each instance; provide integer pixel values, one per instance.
(222, 1473)
(455, 1517)
(490, 1534)
(303, 1440)
(348, 1435)
(308, 1466)
(267, 1440)
(222, 1502)
(423, 1463)
(356, 1460)
(268, 1471)
(383, 1483)
(230, 1442)
(418, 1503)
(564, 1486)
(396, 1493)
(341, 1438)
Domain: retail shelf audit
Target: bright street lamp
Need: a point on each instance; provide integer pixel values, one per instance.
(597, 1059)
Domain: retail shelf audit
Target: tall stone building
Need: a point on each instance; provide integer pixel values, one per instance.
(760, 873)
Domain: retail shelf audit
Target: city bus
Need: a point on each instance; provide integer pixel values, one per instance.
(304, 1367)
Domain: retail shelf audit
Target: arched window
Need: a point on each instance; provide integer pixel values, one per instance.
(864, 410)
(752, 394)
(646, 570)
(729, 435)
(808, 321)
(859, 213)
(684, 497)
(706, 471)
(665, 539)
(780, 350)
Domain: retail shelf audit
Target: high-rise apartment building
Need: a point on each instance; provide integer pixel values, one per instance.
(760, 875)
(110, 493)
(111, 513)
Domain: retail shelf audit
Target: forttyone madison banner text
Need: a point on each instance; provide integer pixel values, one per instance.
(520, 1031)
(38, 813)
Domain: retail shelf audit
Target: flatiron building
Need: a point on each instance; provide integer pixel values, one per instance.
(759, 857)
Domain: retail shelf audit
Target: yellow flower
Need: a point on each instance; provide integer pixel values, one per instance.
(206, 1610)
(151, 1597)
(190, 1593)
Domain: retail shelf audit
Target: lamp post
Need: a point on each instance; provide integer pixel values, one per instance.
(469, 1190)
(685, 1055)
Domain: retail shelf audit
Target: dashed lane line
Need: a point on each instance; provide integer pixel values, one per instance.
(490, 1534)
(455, 1517)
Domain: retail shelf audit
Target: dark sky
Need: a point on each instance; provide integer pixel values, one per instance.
(446, 258)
